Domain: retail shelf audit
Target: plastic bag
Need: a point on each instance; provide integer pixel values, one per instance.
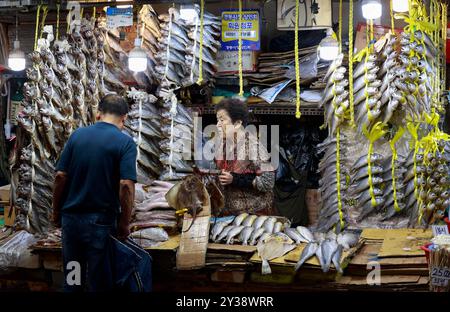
(12, 251)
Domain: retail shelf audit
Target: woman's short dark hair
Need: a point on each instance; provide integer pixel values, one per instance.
(236, 109)
(113, 104)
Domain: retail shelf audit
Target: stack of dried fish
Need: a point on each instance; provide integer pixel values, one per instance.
(335, 96)
(394, 191)
(44, 122)
(367, 180)
(150, 33)
(417, 56)
(149, 237)
(152, 209)
(171, 66)
(392, 86)
(94, 69)
(366, 92)
(246, 229)
(176, 143)
(144, 124)
(431, 191)
(328, 248)
(329, 212)
(210, 43)
(111, 55)
(64, 86)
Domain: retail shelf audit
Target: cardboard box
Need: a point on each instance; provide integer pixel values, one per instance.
(9, 215)
(5, 192)
(228, 62)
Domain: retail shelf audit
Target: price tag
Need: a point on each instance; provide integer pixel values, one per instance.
(119, 17)
(440, 276)
(439, 230)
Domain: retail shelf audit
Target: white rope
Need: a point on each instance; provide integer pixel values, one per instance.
(173, 113)
(168, 47)
(195, 46)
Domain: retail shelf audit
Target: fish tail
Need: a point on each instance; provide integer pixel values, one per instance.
(265, 269)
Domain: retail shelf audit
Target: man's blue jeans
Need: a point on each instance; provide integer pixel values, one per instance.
(84, 243)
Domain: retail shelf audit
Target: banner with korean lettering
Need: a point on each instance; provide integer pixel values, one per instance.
(250, 28)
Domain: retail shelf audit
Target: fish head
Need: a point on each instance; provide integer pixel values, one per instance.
(406, 49)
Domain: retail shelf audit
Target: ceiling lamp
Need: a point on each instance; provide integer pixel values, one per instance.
(328, 47)
(137, 59)
(400, 6)
(371, 9)
(16, 59)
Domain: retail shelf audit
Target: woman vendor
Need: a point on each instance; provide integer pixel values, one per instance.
(248, 181)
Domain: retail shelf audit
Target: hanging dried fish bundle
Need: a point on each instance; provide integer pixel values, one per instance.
(330, 214)
(176, 144)
(144, 124)
(209, 39)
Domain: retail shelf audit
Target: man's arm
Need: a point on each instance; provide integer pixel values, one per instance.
(59, 187)
(126, 202)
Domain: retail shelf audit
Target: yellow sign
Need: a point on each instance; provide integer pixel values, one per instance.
(249, 28)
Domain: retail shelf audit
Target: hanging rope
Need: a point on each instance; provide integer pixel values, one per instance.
(338, 176)
(391, 5)
(340, 26)
(241, 79)
(44, 17)
(200, 59)
(350, 63)
(297, 64)
(37, 27)
(58, 6)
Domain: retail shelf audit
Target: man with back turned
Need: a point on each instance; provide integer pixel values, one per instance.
(94, 194)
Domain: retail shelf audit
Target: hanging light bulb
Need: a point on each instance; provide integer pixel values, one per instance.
(137, 59)
(188, 13)
(400, 6)
(16, 59)
(371, 9)
(328, 47)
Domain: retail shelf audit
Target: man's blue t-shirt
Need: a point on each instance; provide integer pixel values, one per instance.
(95, 159)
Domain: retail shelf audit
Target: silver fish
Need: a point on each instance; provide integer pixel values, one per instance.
(258, 223)
(363, 184)
(294, 235)
(249, 220)
(305, 233)
(217, 229)
(278, 227)
(347, 239)
(233, 233)
(307, 253)
(362, 67)
(245, 234)
(329, 247)
(256, 234)
(269, 225)
(224, 232)
(368, 208)
(336, 259)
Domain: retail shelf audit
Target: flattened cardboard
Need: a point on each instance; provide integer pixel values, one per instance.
(404, 246)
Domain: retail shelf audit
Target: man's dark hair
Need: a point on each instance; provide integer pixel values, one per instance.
(236, 109)
(113, 104)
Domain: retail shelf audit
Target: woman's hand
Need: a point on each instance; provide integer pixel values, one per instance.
(225, 178)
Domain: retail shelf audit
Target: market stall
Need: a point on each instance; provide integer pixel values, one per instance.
(362, 178)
